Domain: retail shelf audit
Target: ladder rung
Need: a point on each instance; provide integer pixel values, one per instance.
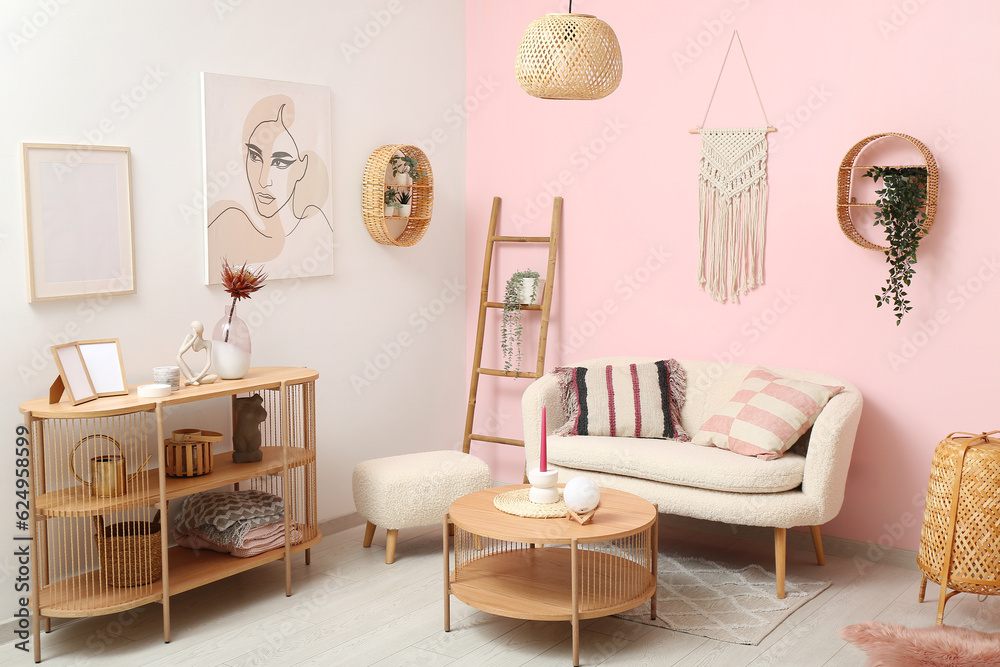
(497, 440)
(522, 239)
(509, 374)
(494, 304)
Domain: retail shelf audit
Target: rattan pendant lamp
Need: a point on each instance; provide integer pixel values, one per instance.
(569, 57)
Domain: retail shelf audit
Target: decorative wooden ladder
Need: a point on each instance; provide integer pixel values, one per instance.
(553, 241)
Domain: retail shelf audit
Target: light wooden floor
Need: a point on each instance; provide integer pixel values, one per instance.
(350, 608)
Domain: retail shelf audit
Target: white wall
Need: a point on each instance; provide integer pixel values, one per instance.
(65, 74)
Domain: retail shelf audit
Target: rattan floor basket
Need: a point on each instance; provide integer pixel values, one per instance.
(960, 539)
(129, 552)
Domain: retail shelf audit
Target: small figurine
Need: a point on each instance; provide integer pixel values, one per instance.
(250, 413)
(196, 343)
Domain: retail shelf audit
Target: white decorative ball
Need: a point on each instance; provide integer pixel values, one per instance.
(581, 494)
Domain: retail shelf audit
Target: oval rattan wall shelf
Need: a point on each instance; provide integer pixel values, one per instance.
(844, 203)
(373, 189)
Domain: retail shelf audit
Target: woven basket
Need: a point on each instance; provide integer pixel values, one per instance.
(844, 175)
(129, 552)
(960, 539)
(373, 189)
(188, 452)
(569, 57)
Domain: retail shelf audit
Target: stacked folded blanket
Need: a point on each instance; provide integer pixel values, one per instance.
(241, 523)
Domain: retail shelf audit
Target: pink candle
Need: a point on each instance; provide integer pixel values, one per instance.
(542, 462)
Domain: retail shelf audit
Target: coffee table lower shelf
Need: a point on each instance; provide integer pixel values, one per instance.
(536, 584)
(551, 569)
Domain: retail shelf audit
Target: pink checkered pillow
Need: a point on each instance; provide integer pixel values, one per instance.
(766, 415)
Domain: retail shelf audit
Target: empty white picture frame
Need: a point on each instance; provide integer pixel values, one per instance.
(103, 359)
(78, 220)
(90, 369)
(73, 373)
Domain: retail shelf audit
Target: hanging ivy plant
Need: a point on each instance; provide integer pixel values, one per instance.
(900, 208)
(510, 326)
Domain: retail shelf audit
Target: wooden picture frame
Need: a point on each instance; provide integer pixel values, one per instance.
(78, 220)
(103, 359)
(89, 369)
(73, 374)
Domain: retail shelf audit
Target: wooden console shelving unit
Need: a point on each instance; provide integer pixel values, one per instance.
(65, 569)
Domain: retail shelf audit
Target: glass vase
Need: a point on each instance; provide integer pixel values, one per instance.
(231, 345)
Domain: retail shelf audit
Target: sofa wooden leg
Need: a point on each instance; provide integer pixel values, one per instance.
(390, 546)
(779, 560)
(369, 534)
(818, 545)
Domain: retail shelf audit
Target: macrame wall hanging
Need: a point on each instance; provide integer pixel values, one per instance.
(732, 202)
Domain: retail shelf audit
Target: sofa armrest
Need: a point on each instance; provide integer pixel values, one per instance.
(828, 457)
(542, 392)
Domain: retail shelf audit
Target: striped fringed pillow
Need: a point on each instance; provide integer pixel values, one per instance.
(633, 400)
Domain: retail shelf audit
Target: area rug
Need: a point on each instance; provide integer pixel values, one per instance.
(940, 646)
(713, 600)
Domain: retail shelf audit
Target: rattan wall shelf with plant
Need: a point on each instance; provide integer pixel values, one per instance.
(379, 187)
(75, 573)
(845, 202)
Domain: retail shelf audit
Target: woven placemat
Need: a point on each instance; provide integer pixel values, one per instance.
(517, 503)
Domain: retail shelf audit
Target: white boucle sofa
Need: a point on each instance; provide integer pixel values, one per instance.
(805, 487)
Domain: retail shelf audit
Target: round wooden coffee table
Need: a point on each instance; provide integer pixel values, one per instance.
(551, 569)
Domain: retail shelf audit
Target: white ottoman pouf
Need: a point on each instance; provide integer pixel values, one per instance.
(414, 490)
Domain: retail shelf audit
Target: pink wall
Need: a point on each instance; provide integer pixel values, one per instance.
(829, 75)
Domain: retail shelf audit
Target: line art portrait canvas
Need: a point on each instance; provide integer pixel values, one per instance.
(268, 151)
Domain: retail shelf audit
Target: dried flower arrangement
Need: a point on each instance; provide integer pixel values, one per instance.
(240, 284)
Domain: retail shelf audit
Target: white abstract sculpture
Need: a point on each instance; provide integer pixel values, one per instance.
(581, 494)
(196, 343)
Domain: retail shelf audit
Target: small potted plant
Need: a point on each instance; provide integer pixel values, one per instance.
(900, 209)
(403, 197)
(405, 165)
(392, 204)
(523, 288)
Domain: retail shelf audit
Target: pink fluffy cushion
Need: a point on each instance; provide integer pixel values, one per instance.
(766, 415)
(939, 646)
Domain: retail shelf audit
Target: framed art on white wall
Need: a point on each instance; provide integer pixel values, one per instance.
(78, 220)
(271, 142)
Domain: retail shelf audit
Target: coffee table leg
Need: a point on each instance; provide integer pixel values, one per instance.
(575, 583)
(655, 555)
(447, 586)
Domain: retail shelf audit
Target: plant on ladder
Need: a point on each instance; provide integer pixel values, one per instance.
(515, 295)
